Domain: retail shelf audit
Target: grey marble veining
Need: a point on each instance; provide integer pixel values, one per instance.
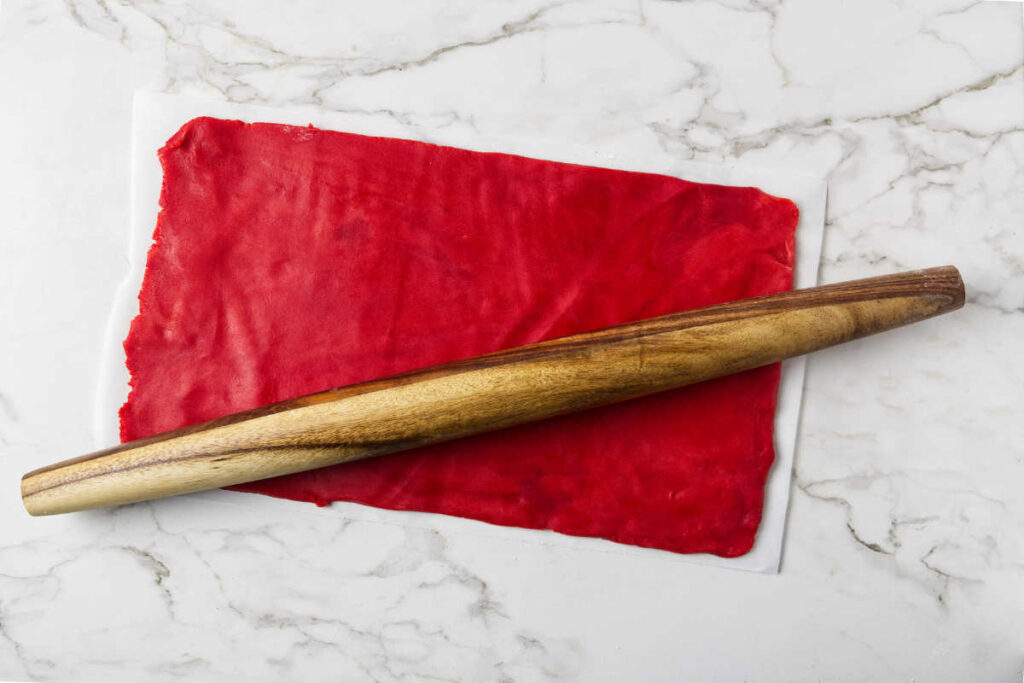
(903, 557)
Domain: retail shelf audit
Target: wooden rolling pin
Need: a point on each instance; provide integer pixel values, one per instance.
(491, 392)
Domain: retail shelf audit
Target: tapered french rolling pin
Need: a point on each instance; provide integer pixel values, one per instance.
(491, 392)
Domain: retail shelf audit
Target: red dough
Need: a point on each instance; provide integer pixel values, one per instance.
(291, 260)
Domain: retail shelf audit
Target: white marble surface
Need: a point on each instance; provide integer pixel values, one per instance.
(904, 555)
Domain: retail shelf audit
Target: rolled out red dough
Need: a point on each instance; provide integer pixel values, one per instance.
(289, 260)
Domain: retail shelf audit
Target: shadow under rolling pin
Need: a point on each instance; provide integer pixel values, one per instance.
(491, 392)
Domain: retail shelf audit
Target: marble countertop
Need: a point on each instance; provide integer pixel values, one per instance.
(904, 552)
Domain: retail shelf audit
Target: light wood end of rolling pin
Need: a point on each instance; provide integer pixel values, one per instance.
(491, 392)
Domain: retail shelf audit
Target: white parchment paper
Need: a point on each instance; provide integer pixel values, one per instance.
(157, 117)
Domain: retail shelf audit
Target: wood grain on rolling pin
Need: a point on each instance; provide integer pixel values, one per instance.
(491, 392)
